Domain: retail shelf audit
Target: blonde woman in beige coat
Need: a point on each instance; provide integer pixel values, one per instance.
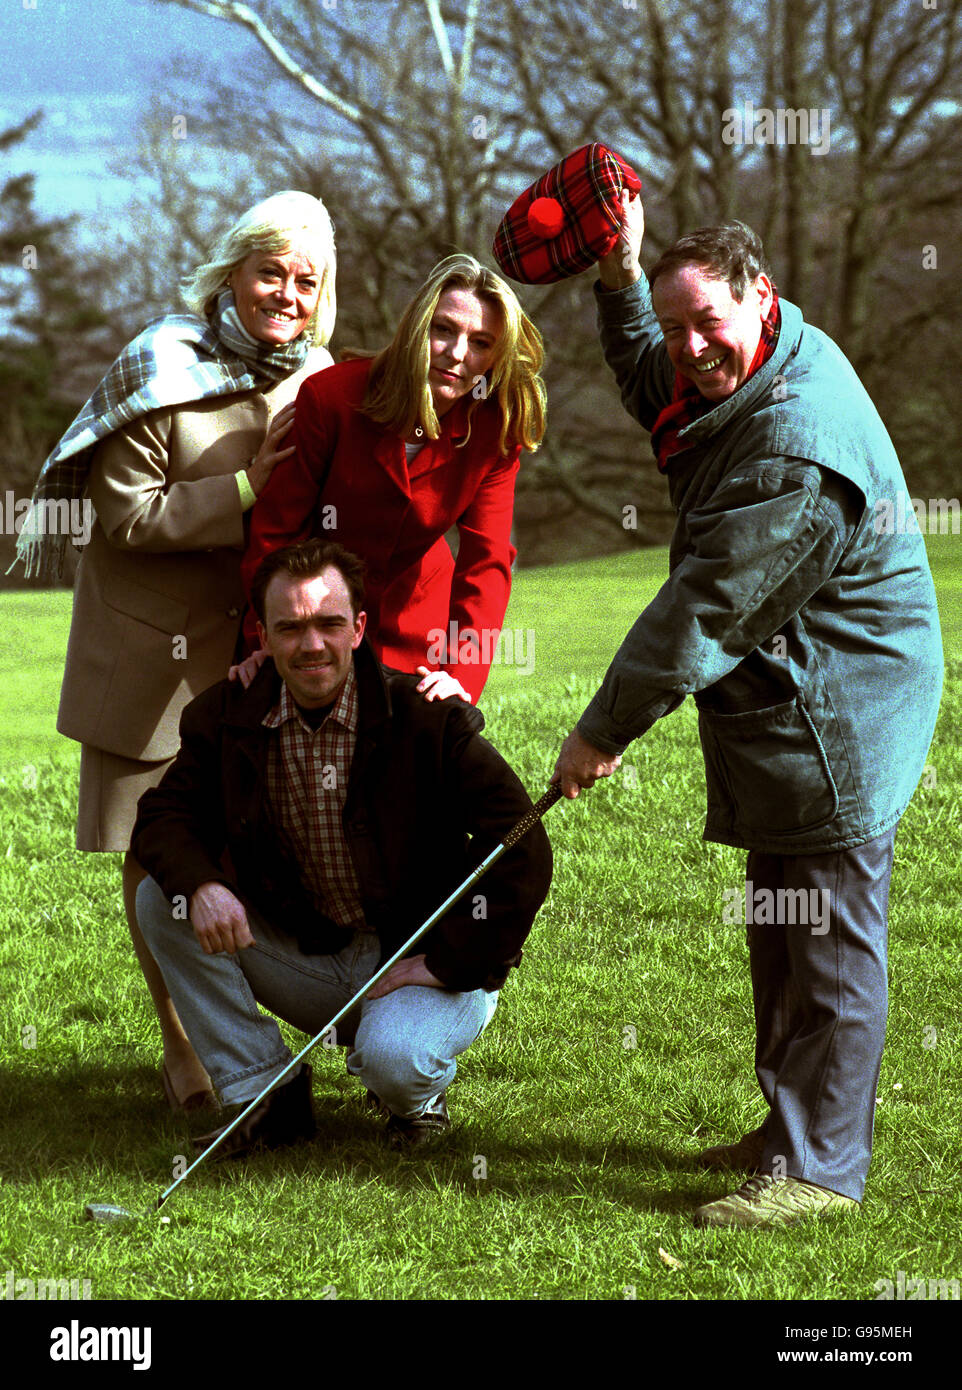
(158, 598)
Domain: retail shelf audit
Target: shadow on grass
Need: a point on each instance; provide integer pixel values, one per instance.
(113, 1119)
(76, 1112)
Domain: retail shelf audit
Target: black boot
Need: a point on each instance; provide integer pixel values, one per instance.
(284, 1116)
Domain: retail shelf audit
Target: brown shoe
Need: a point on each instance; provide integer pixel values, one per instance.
(743, 1156)
(768, 1201)
(284, 1116)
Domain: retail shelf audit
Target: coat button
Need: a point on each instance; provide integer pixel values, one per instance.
(233, 612)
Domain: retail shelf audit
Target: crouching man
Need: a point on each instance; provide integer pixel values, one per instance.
(306, 829)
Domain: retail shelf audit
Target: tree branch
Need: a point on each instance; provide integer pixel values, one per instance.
(236, 13)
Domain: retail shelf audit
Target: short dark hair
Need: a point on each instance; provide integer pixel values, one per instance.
(730, 251)
(309, 560)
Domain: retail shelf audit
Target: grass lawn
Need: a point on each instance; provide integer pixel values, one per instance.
(622, 1045)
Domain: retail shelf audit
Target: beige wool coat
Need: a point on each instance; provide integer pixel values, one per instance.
(158, 597)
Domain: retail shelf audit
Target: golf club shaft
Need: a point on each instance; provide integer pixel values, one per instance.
(513, 836)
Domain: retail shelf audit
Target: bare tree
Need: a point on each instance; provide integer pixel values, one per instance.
(57, 336)
(897, 80)
(419, 124)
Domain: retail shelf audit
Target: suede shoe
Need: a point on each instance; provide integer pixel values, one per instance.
(408, 1134)
(284, 1116)
(743, 1156)
(768, 1201)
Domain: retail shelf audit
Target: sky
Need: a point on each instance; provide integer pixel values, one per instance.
(91, 65)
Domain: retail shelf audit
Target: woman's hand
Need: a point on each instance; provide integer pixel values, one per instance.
(268, 455)
(438, 685)
(247, 669)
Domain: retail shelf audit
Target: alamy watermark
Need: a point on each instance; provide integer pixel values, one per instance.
(904, 1287)
(76, 1343)
(491, 646)
(26, 1290)
(50, 516)
(933, 516)
(760, 907)
(782, 126)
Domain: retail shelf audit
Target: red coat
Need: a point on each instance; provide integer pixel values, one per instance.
(349, 481)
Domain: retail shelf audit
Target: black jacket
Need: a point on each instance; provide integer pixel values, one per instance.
(427, 799)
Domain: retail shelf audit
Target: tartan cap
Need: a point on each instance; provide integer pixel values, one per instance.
(567, 218)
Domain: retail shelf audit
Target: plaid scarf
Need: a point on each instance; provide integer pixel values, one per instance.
(688, 404)
(176, 359)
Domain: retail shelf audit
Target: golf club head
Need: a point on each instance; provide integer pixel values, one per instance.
(106, 1214)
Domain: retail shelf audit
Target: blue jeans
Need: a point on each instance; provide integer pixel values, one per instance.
(403, 1045)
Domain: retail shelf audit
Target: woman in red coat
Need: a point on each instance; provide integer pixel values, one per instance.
(392, 451)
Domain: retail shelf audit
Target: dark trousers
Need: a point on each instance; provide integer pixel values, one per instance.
(821, 1000)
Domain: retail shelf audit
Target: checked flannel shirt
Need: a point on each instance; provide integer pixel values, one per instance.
(307, 773)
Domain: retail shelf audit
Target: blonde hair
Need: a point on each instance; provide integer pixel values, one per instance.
(398, 393)
(272, 225)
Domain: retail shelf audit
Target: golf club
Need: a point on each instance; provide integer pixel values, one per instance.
(106, 1213)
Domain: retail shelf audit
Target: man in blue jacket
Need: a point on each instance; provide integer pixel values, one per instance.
(809, 637)
(307, 827)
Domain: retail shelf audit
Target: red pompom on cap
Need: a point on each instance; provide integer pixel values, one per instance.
(546, 217)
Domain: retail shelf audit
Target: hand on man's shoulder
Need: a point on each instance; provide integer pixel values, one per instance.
(226, 698)
(403, 688)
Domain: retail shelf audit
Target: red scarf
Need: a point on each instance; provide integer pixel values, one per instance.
(688, 404)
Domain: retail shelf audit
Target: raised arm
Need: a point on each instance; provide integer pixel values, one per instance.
(630, 336)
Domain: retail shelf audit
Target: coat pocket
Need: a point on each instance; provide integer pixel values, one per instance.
(772, 766)
(145, 605)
